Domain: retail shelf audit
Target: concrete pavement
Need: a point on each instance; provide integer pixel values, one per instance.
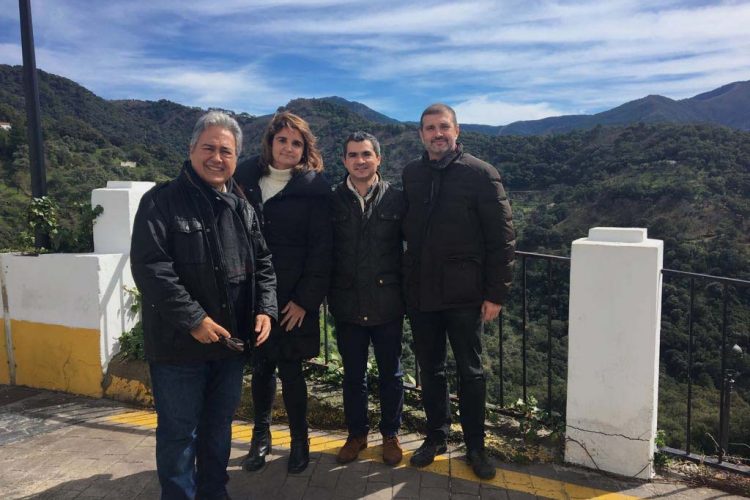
(59, 446)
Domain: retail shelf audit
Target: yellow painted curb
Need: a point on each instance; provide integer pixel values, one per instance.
(443, 464)
(57, 357)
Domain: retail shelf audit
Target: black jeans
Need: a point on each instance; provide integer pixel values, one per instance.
(293, 390)
(353, 342)
(463, 328)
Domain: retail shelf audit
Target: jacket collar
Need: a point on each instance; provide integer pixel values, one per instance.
(446, 160)
(193, 180)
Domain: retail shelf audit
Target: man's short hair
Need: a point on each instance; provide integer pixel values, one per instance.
(217, 119)
(360, 136)
(436, 109)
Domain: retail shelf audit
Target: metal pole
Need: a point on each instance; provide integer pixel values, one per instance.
(500, 353)
(723, 417)
(523, 326)
(726, 387)
(326, 356)
(33, 113)
(549, 337)
(689, 429)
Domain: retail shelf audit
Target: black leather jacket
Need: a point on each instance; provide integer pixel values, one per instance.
(367, 248)
(176, 260)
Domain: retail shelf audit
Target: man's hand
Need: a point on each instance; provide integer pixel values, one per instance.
(262, 328)
(208, 331)
(293, 316)
(490, 310)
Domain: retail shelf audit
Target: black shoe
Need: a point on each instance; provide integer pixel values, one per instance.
(480, 464)
(299, 456)
(260, 446)
(425, 454)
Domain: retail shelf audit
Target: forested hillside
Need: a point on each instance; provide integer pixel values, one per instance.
(688, 184)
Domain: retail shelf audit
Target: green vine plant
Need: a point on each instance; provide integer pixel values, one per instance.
(131, 342)
(530, 417)
(43, 216)
(661, 459)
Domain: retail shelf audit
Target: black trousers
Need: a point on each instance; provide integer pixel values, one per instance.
(293, 390)
(463, 328)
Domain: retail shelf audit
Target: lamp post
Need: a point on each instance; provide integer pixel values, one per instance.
(33, 113)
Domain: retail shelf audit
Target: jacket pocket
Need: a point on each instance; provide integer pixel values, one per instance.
(462, 280)
(188, 241)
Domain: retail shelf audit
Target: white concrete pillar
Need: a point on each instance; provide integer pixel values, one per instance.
(114, 227)
(613, 351)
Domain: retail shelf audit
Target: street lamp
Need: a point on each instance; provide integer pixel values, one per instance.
(33, 114)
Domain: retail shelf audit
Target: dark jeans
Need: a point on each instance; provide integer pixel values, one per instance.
(464, 329)
(353, 342)
(293, 390)
(195, 403)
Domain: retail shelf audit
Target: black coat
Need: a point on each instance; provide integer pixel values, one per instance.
(367, 248)
(297, 228)
(459, 233)
(175, 258)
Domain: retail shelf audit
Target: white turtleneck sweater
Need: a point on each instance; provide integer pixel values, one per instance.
(274, 182)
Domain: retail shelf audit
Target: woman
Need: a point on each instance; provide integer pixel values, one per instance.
(286, 187)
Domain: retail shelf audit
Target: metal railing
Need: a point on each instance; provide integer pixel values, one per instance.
(550, 260)
(524, 313)
(727, 376)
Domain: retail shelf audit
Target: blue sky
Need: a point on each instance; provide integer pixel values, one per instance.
(494, 61)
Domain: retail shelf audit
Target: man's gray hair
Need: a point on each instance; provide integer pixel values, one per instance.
(217, 119)
(360, 136)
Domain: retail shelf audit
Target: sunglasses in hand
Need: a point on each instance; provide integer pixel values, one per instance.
(233, 343)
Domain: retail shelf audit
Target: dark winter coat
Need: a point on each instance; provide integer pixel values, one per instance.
(176, 260)
(296, 224)
(459, 233)
(367, 247)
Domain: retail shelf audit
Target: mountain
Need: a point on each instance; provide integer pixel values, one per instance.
(728, 105)
(361, 110)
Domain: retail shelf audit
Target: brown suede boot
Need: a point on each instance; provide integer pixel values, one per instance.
(350, 451)
(392, 452)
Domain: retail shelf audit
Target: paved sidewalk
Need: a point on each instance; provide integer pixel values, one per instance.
(58, 446)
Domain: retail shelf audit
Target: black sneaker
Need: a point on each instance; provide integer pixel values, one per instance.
(480, 464)
(426, 453)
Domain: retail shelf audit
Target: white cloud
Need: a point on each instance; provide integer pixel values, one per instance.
(490, 111)
(525, 57)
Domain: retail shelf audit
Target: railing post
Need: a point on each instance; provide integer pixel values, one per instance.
(524, 313)
(500, 349)
(549, 337)
(726, 390)
(613, 353)
(326, 355)
(689, 427)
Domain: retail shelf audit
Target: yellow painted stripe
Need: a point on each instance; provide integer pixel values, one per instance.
(455, 467)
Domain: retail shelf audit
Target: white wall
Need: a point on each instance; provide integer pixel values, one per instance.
(113, 228)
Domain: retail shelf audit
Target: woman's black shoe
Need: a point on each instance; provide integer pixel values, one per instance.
(299, 456)
(260, 446)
